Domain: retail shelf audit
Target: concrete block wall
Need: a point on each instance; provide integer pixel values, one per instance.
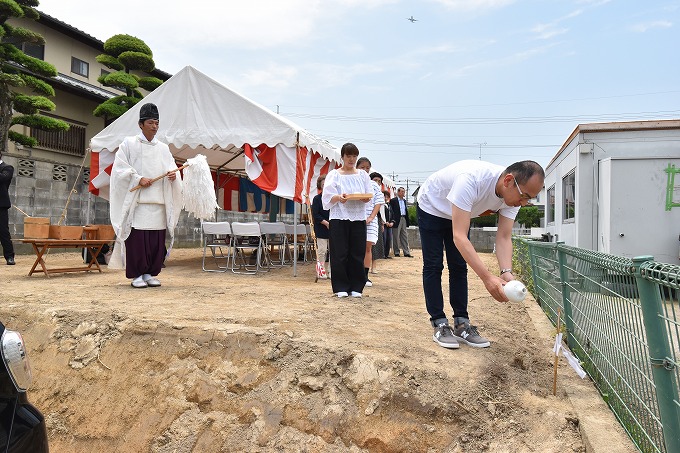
(42, 196)
(482, 240)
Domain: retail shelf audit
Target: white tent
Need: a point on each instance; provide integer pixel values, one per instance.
(238, 136)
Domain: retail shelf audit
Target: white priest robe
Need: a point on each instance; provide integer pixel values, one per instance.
(150, 208)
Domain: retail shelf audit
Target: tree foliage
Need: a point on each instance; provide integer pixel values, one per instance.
(16, 107)
(529, 216)
(123, 54)
(484, 221)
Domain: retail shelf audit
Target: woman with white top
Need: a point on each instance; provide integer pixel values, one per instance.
(372, 209)
(347, 223)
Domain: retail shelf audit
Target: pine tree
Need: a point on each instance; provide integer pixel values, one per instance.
(21, 73)
(123, 54)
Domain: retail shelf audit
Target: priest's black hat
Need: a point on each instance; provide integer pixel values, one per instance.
(148, 111)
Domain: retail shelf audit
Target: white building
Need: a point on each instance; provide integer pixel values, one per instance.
(610, 188)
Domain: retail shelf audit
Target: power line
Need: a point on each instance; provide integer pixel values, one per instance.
(490, 120)
(552, 101)
(438, 145)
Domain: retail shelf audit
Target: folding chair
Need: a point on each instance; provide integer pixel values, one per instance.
(217, 238)
(246, 236)
(274, 235)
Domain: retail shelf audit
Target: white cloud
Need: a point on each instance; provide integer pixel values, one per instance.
(252, 24)
(548, 31)
(474, 5)
(552, 29)
(509, 60)
(646, 26)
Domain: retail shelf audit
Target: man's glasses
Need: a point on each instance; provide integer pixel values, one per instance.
(522, 195)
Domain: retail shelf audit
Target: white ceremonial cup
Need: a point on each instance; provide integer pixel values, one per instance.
(515, 290)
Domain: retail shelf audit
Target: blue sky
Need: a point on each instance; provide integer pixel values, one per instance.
(509, 79)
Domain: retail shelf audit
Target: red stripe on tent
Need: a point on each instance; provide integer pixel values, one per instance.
(94, 171)
(269, 178)
(300, 169)
(311, 186)
(325, 169)
(229, 184)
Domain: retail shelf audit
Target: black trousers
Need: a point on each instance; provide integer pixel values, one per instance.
(5, 238)
(348, 246)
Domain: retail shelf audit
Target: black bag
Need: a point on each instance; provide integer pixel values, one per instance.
(101, 258)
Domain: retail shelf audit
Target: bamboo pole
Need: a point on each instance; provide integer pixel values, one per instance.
(557, 353)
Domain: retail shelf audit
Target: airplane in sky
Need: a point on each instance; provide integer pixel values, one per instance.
(411, 19)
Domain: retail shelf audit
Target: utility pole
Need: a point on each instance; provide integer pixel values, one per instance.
(480, 149)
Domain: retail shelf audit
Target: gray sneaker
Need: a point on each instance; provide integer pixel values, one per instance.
(443, 336)
(469, 334)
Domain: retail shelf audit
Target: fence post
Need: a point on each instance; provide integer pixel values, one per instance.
(566, 295)
(532, 262)
(659, 353)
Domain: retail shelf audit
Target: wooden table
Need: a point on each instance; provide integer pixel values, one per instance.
(41, 246)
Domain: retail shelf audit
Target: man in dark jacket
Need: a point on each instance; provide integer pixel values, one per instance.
(6, 174)
(401, 223)
(389, 223)
(321, 224)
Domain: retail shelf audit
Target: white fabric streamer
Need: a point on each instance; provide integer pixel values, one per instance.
(199, 189)
(573, 361)
(558, 344)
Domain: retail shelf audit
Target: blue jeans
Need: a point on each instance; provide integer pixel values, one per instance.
(436, 236)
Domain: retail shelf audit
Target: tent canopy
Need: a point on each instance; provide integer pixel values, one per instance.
(200, 116)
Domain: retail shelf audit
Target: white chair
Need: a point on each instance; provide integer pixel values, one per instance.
(217, 239)
(246, 236)
(274, 235)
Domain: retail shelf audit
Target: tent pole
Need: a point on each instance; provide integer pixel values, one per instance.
(274, 202)
(295, 214)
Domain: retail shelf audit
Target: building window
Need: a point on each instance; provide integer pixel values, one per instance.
(569, 196)
(551, 205)
(30, 49)
(34, 50)
(71, 141)
(80, 67)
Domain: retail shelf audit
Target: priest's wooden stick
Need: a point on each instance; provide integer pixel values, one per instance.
(161, 176)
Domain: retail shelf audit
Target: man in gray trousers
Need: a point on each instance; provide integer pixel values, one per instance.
(401, 224)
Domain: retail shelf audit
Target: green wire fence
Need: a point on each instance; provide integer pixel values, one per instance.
(622, 324)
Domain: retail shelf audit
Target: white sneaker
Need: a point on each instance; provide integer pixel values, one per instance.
(369, 283)
(356, 294)
(139, 282)
(342, 294)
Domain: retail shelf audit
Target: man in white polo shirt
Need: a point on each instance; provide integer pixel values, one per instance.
(447, 201)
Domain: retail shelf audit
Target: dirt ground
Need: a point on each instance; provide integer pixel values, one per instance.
(217, 362)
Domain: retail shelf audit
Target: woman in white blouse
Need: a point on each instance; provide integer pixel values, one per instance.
(347, 223)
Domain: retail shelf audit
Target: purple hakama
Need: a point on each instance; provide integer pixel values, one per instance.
(144, 252)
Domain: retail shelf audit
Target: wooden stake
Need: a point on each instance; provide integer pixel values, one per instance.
(161, 176)
(557, 355)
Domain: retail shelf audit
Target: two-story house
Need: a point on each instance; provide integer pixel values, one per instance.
(51, 178)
